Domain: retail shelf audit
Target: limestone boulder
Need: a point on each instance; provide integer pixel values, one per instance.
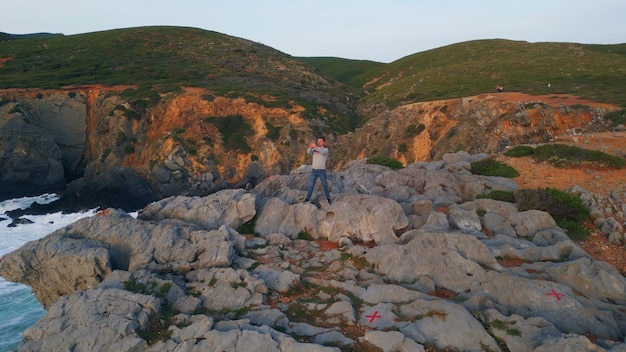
(232, 207)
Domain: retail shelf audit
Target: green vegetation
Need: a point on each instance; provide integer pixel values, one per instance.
(501, 195)
(273, 132)
(234, 130)
(475, 67)
(247, 228)
(305, 236)
(519, 151)
(158, 326)
(414, 130)
(352, 72)
(562, 155)
(160, 321)
(491, 167)
(617, 117)
(385, 161)
(502, 325)
(567, 209)
(358, 261)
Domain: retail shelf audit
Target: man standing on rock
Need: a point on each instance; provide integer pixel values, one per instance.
(320, 154)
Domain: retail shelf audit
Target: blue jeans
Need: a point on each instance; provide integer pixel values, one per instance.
(315, 173)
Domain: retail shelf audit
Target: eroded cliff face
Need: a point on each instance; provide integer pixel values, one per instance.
(486, 123)
(175, 145)
(194, 143)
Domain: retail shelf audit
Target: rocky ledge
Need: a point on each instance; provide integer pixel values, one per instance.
(405, 260)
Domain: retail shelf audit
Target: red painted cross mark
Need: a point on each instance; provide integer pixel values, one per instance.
(373, 316)
(555, 294)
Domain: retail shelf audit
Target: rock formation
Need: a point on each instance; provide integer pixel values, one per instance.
(177, 146)
(405, 260)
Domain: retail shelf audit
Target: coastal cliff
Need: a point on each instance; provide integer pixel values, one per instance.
(195, 143)
(402, 260)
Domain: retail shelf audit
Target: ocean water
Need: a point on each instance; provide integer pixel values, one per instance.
(18, 307)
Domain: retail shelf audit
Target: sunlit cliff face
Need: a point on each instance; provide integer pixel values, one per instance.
(176, 130)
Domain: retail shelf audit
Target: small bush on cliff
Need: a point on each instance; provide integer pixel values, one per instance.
(490, 167)
(617, 117)
(414, 130)
(273, 132)
(567, 209)
(385, 161)
(234, 130)
(519, 151)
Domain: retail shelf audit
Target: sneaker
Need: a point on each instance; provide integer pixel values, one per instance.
(329, 201)
(307, 201)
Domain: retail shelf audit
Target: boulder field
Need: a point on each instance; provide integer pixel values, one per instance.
(405, 260)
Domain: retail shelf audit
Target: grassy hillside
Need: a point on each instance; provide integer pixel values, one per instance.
(7, 36)
(351, 72)
(591, 71)
(162, 59)
(170, 57)
(144, 56)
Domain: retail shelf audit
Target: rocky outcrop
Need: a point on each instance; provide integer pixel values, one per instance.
(30, 160)
(488, 123)
(403, 260)
(194, 143)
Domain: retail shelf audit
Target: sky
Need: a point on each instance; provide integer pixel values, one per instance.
(382, 31)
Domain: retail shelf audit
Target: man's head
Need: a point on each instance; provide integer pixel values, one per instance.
(321, 141)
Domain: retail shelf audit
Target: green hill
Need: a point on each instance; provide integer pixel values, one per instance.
(595, 72)
(147, 56)
(162, 59)
(352, 72)
(170, 57)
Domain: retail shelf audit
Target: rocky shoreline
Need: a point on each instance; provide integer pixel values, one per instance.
(413, 265)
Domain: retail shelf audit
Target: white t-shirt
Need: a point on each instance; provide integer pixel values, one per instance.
(320, 154)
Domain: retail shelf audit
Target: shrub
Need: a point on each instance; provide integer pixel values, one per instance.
(617, 117)
(519, 151)
(556, 202)
(490, 167)
(248, 227)
(414, 130)
(567, 209)
(562, 155)
(403, 148)
(303, 235)
(385, 161)
(273, 132)
(234, 129)
(501, 195)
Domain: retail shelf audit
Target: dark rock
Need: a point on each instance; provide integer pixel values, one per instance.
(30, 160)
(19, 221)
(118, 187)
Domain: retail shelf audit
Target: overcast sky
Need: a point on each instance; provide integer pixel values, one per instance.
(382, 31)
